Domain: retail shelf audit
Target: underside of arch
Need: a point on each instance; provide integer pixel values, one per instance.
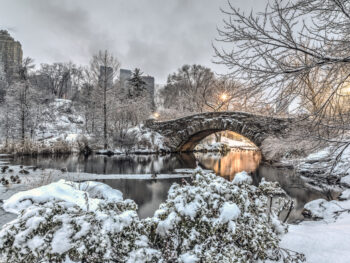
(189, 144)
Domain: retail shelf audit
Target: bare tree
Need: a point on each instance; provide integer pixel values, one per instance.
(296, 49)
(184, 89)
(104, 67)
(24, 98)
(220, 94)
(62, 79)
(20, 101)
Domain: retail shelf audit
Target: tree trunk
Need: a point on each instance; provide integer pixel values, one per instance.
(23, 114)
(105, 109)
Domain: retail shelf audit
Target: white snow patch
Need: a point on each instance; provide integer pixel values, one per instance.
(319, 154)
(167, 224)
(321, 208)
(345, 180)
(188, 258)
(241, 178)
(228, 212)
(61, 239)
(35, 242)
(81, 194)
(345, 195)
(321, 241)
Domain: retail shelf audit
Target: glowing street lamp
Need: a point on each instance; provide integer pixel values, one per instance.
(156, 115)
(223, 96)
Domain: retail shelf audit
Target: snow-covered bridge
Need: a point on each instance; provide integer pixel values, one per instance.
(185, 133)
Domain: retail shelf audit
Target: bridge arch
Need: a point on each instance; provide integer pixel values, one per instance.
(191, 142)
(185, 133)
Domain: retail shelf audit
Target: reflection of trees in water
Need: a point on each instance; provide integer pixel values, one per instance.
(232, 163)
(148, 194)
(226, 166)
(136, 190)
(120, 164)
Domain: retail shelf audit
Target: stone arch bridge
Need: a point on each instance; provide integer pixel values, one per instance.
(185, 133)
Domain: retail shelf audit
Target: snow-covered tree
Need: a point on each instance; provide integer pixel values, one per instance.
(136, 84)
(184, 88)
(63, 80)
(103, 69)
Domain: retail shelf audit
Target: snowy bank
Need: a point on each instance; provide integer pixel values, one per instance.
(326, 240)
(85, 194)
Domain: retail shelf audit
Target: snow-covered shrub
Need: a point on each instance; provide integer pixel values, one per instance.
(82, 222)
(214, 220)
(55, 231)
(209, 220)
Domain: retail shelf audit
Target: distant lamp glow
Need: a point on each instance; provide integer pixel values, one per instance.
(156, 115)
(223, 96)
(345, 88)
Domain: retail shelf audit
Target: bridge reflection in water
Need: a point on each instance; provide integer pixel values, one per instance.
(230, 164)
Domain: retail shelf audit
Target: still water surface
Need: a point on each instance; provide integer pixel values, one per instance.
(149, 194)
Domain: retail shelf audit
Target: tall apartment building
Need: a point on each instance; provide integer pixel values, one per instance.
(11, 53)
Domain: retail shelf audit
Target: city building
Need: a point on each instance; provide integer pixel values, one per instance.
(106, 72)
(11, 53)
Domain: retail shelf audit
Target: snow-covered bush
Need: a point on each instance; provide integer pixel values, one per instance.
(207, 220)
(214, 220)
(56, 229)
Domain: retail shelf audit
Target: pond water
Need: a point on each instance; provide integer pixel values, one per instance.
(149, 194)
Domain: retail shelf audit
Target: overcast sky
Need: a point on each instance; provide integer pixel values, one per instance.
(157, 36)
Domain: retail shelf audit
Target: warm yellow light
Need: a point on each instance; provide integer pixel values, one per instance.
(345, 90)
(224, 96)
(156, 115)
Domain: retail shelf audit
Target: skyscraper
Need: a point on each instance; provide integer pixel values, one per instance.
(10, 53)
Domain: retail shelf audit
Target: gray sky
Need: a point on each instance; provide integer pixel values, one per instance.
(157, 36)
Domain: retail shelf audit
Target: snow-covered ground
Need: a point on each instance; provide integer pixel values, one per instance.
(327, 237)
(326, 240)
(60, 122)
(239, 144)
(226, 143)
(211, 147)
(144, 141)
